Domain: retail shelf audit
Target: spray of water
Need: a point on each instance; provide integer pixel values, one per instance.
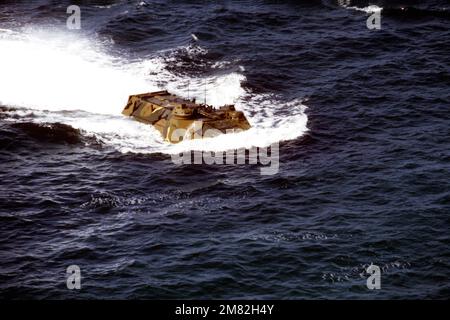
(74, 80)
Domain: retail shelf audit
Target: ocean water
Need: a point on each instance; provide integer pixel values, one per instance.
(362, 119)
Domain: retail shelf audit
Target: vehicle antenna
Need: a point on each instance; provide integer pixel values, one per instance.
(205, 92)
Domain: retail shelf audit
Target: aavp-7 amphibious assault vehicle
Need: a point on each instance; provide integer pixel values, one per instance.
(168, 112)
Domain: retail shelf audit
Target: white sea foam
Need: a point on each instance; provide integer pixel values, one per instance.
(53, 71)
(368, 9)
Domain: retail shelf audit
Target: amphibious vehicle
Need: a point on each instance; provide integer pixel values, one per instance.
(168, 112)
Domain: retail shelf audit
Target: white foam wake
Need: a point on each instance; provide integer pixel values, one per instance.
(53, 71)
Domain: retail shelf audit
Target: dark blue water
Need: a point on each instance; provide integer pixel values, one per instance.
(368, 182)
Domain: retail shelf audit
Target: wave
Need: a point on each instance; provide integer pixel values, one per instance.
(368, 9)
(400, 11)
(82, 82)
(50, 132)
